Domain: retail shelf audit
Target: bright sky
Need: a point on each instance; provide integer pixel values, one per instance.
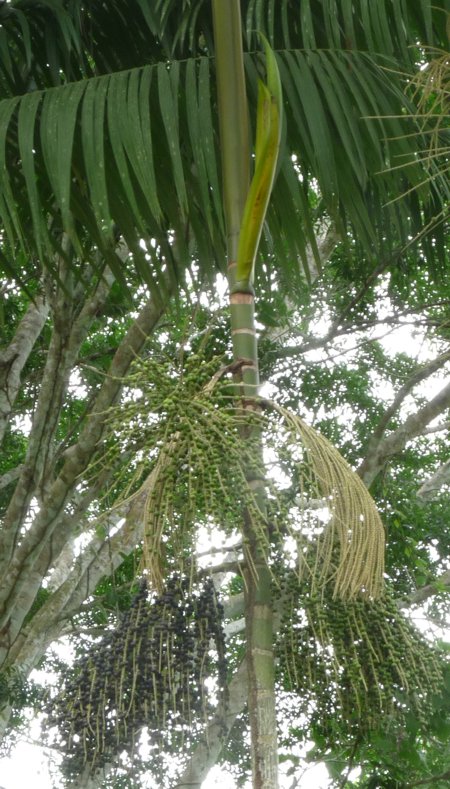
(28, 767)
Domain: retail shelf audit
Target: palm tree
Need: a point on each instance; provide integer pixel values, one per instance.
(240, 224)
(110, 129)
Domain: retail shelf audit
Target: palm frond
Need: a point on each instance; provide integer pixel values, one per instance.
(72, 151)
(133, 152)
(74, 146)
(430, 89)
(383, 26)
(48, 42)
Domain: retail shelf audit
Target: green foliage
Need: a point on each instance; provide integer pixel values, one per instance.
(21, 694)
(413, 527)
(72, 163)
(405, 755)
(108, 131)
(12, 688)
(41, 598)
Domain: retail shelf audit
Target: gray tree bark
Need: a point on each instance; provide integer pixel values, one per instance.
(25, 561)
(14, 357)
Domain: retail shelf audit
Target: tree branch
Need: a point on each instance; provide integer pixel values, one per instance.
(420, 375)
(432, 779)
(70, 330)
(431, 487)
(436, 428)
(15, 356)
(10, 476)
(420, 595)
(395, 442)
(205, 755)
(340, 329)
(100, 557)
(76, 458)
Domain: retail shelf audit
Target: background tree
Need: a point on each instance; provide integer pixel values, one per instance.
(108, 199)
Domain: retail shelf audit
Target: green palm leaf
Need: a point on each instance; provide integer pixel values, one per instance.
(28, 109)
(134, 152)
(57, 133)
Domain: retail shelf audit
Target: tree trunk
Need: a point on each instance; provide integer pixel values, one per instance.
(258, 604)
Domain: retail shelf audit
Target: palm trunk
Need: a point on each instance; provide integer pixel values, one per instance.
(235, 152)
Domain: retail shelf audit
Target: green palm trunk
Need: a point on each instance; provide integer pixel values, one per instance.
(258, 595)
(258, 604)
